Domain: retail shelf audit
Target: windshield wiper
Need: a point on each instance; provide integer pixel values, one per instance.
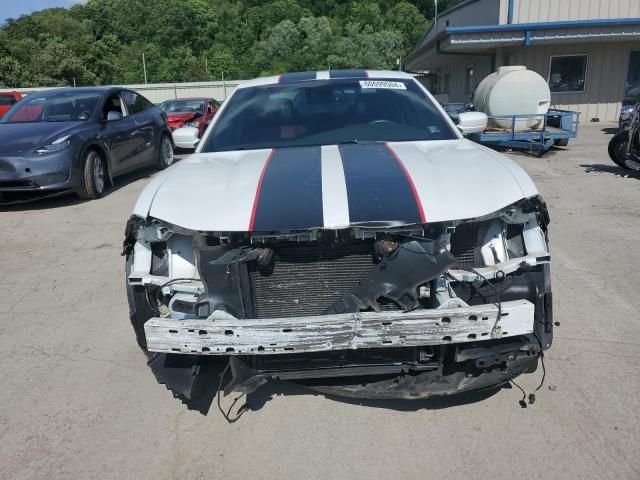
(352, 141)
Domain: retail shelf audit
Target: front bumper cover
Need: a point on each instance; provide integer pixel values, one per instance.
(186, 137)
(36, 172)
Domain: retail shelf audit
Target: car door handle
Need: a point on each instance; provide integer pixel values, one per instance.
(135, 133)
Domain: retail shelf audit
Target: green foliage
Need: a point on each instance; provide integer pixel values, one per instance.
(102, 41)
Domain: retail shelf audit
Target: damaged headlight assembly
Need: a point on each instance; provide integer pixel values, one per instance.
(368, 311)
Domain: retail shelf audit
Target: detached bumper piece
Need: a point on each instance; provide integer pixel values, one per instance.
(186, 137)
(338, 332)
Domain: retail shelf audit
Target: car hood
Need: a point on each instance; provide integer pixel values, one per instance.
(367, 184)
(21, 138)
(181, 117)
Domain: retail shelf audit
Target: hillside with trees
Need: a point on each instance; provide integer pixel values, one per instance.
(102, 41)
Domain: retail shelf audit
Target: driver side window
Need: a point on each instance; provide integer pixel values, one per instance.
(113, 104)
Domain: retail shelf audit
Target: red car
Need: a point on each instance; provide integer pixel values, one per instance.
(7, 100)
(194, 112)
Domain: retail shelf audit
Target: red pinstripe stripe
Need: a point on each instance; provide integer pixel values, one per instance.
(256, 199)
(416, 197)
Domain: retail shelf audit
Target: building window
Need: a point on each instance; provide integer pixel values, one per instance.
(568, 73)
(632, 88)
(446, 79)
(469, 82)
(435, 83)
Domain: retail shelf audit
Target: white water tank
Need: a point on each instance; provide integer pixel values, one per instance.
(513, 91)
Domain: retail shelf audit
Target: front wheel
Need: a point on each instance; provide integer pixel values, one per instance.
(618, 152)
(93, 178)
(165, 156)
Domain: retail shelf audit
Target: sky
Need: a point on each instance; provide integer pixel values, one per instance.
(13, 8)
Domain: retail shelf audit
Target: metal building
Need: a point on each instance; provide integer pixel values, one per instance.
(588, 50)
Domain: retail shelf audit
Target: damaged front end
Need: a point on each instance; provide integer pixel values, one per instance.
(375, 311)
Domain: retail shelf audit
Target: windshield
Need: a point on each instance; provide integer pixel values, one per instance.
(182, 106)
(54, 107)
(6, 100)
(327, 112)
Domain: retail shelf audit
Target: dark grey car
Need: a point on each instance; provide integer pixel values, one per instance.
(79, 139)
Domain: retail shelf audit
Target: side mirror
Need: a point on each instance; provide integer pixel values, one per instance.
(112, 116)
(472, 122)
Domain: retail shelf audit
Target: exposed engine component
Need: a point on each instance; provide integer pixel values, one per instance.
(386, 246)
(289, 282)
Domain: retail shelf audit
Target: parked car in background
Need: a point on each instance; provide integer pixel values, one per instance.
(190, 112)
(8, 100)
(335, 229)
(79, 139)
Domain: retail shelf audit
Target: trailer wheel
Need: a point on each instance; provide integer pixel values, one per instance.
(561, 142)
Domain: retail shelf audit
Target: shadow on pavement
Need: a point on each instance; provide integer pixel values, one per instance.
(236, 404)
(612, 169)
(260, 397)
(68, 198)
(526, 153)
(610, 130)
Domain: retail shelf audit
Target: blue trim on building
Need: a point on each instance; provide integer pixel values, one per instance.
(543, 25)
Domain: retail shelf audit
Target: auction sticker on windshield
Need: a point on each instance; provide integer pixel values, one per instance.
(382, 84)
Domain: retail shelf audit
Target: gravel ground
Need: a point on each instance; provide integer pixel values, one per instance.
(78, 402)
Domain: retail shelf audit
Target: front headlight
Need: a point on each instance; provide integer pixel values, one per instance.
(56, 146)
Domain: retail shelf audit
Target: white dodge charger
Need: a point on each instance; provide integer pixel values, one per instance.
(336, 229)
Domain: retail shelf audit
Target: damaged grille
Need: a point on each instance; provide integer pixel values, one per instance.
(463, 244)
(307, 279)
(341, 358)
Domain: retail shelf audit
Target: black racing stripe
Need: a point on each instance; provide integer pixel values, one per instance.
(291, 191)
(347, 74)
(297, 77)
(377, 187)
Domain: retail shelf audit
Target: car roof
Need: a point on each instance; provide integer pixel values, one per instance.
(189, 98)
(80, 90)
(294, 77)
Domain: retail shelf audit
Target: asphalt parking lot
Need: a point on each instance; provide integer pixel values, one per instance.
(78, 402)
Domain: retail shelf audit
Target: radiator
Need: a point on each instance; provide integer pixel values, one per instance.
(306, 279)
(463, 244)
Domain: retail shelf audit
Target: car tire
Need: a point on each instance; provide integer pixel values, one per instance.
(166, 155)
(94, 174)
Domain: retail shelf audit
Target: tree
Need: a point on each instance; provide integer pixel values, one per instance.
(407, 20)
(10, 72)
(102, 41)
(316, 41)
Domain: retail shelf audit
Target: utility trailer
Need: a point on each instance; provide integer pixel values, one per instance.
(558, 127)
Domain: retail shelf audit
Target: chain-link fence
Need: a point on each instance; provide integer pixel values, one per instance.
(159, 92)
